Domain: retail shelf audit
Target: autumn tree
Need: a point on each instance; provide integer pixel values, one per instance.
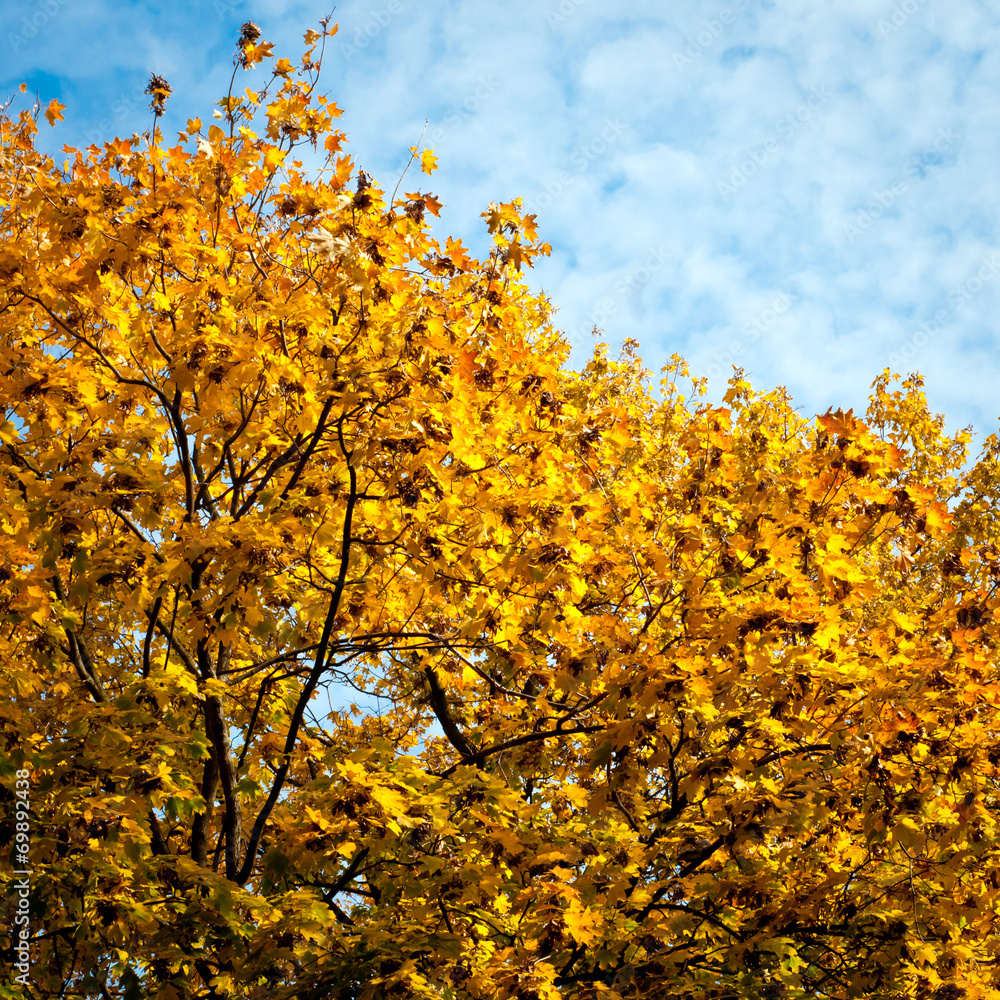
(356, 647)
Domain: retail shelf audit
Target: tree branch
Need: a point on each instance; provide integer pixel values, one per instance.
(440, 705)
(319, 666)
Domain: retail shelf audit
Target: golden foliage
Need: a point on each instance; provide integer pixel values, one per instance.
(651, 698)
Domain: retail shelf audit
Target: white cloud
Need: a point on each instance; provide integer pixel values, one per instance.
(812, 113)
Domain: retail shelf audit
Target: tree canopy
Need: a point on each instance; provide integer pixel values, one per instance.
(357, 647)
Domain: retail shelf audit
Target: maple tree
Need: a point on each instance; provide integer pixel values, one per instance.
(356, 647)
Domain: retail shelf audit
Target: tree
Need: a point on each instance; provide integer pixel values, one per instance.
(358, 648)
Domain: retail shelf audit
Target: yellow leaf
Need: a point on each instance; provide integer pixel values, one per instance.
(428, 161)
(274, 158)
(582, 923)
(905, 622)
(390, 800)
(318, 818)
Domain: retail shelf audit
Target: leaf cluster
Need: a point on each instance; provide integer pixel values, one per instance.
(358, 648)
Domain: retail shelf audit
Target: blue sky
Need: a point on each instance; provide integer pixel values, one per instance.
(807, 188)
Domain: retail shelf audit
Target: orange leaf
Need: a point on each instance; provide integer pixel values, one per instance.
(54, 112)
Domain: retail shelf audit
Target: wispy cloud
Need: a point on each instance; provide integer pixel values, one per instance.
(837, 157)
